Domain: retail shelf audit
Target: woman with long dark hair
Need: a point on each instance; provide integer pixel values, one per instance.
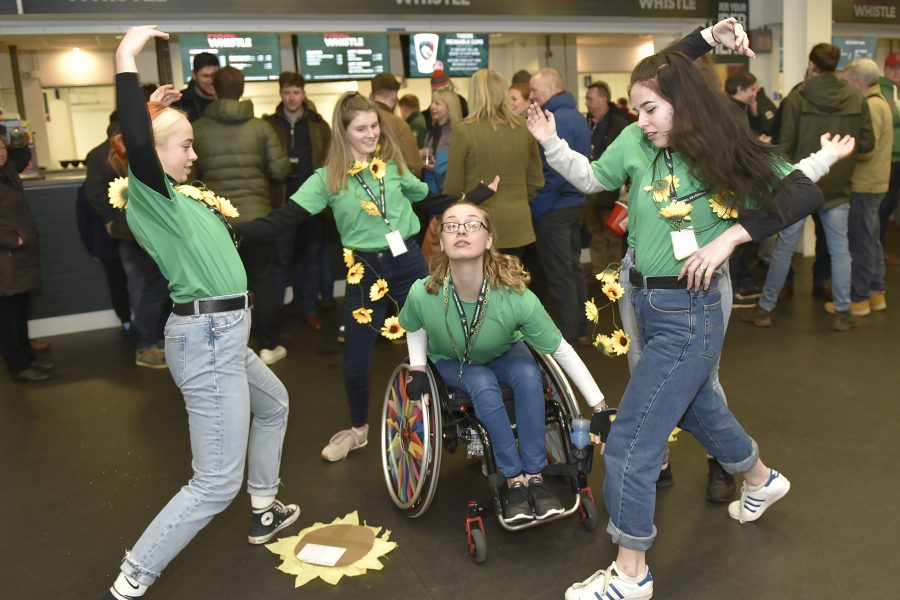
(704, 184)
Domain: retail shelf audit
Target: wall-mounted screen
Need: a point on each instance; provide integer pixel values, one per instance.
(337, 56)
(256, 54)
(853, 48)
(461, 54)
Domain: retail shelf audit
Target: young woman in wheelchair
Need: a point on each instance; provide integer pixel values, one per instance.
(472, 318)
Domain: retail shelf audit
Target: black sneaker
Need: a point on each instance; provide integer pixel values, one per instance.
(545, 502)
(752, 293)
(267, 522)
(517, 504)
(720, 483)
(737, 302)
(665, 477)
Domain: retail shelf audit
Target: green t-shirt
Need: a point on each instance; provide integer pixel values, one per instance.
(633, 156)
(188, 241)
(360, 230)
(509, 317)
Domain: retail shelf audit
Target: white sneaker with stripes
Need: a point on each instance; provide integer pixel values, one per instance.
(609, 584)
(755, 500)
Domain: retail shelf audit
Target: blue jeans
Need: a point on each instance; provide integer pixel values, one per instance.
(400, 272)
(834, 222)
(148, 292)
(223, 383)
(517, 369)
(867, 272)
(682, 333)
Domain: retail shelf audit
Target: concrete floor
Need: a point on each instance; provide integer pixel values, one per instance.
(90, 457)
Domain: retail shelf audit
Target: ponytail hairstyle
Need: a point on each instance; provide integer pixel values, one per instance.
(162, 119)
(501, 270)
(710, 132)
(340, 156)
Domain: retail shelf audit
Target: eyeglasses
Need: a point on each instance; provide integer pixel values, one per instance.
(470, 226)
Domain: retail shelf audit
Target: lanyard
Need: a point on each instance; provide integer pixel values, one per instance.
(380, 201)
(673, 197)
(471, 335)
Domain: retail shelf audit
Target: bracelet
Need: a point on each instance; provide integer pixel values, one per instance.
(712, 32)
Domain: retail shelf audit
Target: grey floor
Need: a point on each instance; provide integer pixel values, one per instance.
(89, 458)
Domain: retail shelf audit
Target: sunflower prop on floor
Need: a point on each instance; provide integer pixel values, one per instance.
(348, 547)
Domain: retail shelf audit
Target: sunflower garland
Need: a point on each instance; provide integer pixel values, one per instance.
(618, 342)
(118, 196)
(391, 328)
(719, 206)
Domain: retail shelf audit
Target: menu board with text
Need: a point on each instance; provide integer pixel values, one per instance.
(256, 55)
(337, 56)
(460, 54)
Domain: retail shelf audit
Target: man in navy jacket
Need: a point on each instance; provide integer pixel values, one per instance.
(557, 210)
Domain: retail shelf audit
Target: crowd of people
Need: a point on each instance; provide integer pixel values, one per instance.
(454, 212)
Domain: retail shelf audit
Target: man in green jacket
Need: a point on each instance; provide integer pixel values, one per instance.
(240, 158)
(889, 88)
(824, 103)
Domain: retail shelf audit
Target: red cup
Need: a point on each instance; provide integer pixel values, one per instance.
(617, 221)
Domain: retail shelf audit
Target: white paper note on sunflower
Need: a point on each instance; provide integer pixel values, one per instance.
(353, 549)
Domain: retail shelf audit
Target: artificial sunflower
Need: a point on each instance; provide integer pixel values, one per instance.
(677, 211)
(607, 276)
(392, 329)
(116, 192)
(603, 342)
(357, 167)
(378, 290)
(590, 310)
(660, 188)
(377, 168)
(363, 315)
(190, 191)
(226, 208)
(369, 207)
(349, 259)
(355, 274)
(620, 342)
(613, 290)
(722, 210)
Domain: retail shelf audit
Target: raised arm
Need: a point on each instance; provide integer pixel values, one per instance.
(574, 166)
(728, 32)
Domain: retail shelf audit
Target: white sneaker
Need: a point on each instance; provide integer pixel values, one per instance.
(755, 500)
(344, 442)
(609, 583)
(270, 357)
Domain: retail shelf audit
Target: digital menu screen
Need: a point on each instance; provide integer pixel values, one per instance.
(461, 54)
(337, 56)
(853, 48)
(256, 54)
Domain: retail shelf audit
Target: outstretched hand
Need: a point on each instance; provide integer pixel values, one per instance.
(732, 35)
(131, 45)
(842, 145)
(494, 184)
(541, 124)
(165, 94)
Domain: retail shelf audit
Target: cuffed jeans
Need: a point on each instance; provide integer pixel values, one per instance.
(517, 369)
(867, 272)
(400, 272)
(559, 248)
(223, 383)
(834, 222)
(682, 333)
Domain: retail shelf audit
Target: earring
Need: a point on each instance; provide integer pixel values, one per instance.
(442, 247)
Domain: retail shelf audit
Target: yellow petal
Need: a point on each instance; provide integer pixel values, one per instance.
(591, 312)
(355, 274)
(349, 259)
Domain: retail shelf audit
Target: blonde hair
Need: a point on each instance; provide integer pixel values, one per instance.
(490, 101)
(451, 100)
(163, 120)
(340, 156)
(500, 270)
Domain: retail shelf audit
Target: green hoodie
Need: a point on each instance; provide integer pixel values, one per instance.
(892, 95)
(239, 156)
(826, 104)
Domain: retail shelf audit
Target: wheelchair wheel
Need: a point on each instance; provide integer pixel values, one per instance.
(410, 444)
(477, 546)
(588, 514)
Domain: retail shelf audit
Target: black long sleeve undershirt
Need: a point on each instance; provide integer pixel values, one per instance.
(137, 133)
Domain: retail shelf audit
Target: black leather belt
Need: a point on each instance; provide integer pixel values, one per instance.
(669, 282)
(214, 305)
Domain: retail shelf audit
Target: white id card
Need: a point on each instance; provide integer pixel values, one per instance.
(395, 243)
(684, 243)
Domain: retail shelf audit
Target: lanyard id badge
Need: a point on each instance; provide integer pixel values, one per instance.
(684, 243)
(396, 243)
(394, 239)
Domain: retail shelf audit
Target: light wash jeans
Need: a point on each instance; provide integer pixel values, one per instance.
(671, 385)
(867, 272)
(517, 369)
(223, 382)
(834, 222)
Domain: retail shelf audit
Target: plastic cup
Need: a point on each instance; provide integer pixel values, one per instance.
(617, 221)
(581, 432)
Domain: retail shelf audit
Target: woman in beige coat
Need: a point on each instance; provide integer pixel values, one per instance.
(491, 141)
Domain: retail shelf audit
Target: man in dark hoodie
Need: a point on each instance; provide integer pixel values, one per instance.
(200, 91)
(240, 158)
(301, 251)
(824, 103)
(557, 210)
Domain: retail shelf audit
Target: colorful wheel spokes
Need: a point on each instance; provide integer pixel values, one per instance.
(405, 437)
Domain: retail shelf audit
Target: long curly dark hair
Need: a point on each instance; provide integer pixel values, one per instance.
(711, 133)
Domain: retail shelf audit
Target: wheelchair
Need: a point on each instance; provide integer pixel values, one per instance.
(414, 433)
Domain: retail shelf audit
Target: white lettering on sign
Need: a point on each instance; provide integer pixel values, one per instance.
(435, 2)
(343, 41)
(877, 11)
(668, 4)
(215, 41)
